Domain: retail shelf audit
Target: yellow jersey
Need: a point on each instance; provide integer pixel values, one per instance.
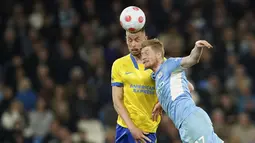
(139, 92)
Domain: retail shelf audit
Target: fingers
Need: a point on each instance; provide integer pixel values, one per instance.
(155, 116)
(161, 112)
(145, 133)
(143, 138)
(203, 43)
(143, 141)
(146, 138)
(154, 110)
(208, 45)
(140, 141)
(156, 107)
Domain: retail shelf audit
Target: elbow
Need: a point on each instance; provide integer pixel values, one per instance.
(115, 106)
(197, 61)
(191, 88)
(116, 103)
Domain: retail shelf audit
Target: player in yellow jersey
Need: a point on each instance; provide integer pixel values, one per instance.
(134, 96)
(133, 93)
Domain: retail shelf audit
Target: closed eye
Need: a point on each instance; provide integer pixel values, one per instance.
(137, 39)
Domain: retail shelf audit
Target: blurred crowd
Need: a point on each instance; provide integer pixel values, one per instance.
(56, 57)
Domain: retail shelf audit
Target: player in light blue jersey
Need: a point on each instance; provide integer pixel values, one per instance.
(193, 123)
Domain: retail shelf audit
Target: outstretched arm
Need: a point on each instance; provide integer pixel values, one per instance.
(195, 54)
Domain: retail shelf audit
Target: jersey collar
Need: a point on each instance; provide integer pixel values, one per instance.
(134, 61)
(154, 74)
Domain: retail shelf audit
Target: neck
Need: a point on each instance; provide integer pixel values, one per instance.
(156, 67)
(138, 58)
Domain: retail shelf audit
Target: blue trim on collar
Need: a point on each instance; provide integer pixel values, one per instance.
(134, 61)
(153, 76)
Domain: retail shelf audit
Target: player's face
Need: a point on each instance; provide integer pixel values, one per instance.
(134, 41)
(149, 57)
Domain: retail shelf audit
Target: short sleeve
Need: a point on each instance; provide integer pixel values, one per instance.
(116, 79)
(174, 63)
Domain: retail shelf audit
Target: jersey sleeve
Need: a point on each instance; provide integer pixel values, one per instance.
(116, 79)
(174, 63)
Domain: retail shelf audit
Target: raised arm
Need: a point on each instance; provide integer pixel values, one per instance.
(195, 54)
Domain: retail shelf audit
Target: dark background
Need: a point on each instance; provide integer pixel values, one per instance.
(56, 57)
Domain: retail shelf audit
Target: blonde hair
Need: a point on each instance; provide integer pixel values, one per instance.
(155, 45)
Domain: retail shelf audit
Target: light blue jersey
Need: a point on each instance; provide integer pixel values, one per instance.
(173, 92)
(174, 96)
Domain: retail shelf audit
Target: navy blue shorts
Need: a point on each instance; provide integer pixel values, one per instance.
(123, 135)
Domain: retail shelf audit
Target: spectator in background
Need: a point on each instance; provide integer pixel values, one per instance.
(76, 77)
(243, 131)
(167, 131)
(26, 94)
(44, 83)
(11, 44)
(13, 120)
(14, 71)
(67, 15)
(52, 135)
(219, 124)
(62, 113)
(40, 120)
(229, 108)
(7, 99)
(36, 19)
(84, 108)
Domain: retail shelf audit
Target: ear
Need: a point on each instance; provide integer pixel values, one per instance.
(146, 37)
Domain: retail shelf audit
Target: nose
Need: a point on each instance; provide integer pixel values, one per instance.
(133, 44)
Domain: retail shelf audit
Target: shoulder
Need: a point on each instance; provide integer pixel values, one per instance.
(122, 60)
(173, 60)
(173, 63)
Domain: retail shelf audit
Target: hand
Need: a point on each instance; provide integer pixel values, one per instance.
(202, 44)
(157, 111)
(191, 87)
(139, 135)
